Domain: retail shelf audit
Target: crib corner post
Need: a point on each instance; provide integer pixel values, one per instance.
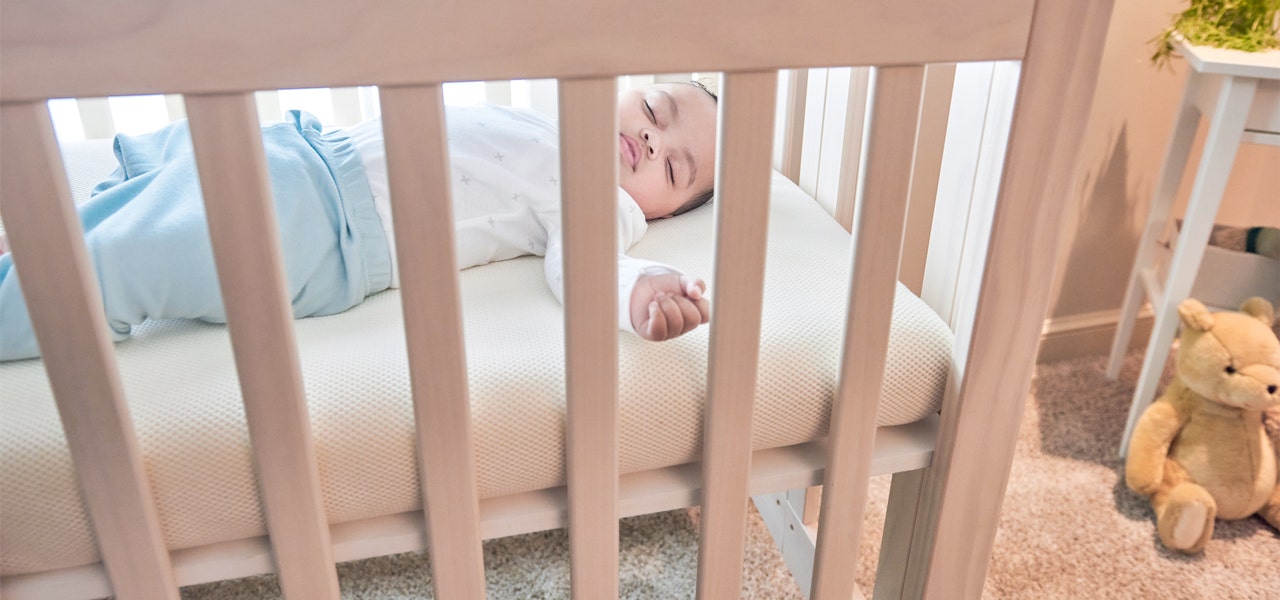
(962, 492)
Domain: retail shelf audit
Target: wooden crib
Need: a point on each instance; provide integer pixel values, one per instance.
(944, 507)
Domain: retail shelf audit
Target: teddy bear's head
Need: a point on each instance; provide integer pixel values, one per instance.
(1232, 358)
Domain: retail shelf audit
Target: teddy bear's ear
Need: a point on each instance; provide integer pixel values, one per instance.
(1259, 309)
(1194, 315)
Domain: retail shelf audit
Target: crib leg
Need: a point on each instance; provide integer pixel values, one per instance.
(899, 526)
(795, 541)
(791, 518)
(812, 506)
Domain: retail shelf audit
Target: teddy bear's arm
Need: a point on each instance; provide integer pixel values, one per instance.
(1149, 446)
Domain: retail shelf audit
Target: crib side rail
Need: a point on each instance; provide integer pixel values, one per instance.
(742, 171)
(940, 552)
(250, 265)
(588, 173)
(246, 44)
(878, 227)
(79, 358)
(418, 169)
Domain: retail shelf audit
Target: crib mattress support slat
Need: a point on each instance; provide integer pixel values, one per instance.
(742, 216)
(66, 311)
(877, 240)
(250, 266)
(418, 170)
(902, 448)
(589, 176)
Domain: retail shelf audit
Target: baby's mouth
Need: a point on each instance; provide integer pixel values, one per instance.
(630, 151)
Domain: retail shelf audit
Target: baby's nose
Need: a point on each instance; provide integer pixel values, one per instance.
(650, 144)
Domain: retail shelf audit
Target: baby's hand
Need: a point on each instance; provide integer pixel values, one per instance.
(668, 305)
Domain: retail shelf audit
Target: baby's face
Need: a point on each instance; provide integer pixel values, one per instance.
(666, 145)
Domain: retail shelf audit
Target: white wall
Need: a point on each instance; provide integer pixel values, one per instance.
(1124, 143)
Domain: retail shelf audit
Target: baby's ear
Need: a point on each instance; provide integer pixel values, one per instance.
(1194, 315)
(1259, 309)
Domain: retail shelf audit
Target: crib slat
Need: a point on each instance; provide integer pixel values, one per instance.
(589, 171)
(346, 106)
(498, 92)
(963, 490)
(246, 245)
(66, 310)
(935, 109)
(95, 118)
(879, 221)
(792, 124)
(418, 167)
(742, 215)
(851, 147)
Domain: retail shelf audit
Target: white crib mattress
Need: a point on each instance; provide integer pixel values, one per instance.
(183, 393)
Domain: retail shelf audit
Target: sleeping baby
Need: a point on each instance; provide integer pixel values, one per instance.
(148, 241)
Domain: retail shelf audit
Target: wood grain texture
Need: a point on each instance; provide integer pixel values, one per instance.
(60, 49)
(851, 156)
(962, 492)
(793, 126)
(250, 265)
(935, 110)
(742, 217)
(877, 240)
(140, 46)
(65, 306)
(589, 176)
(418, 169)
(905, 489)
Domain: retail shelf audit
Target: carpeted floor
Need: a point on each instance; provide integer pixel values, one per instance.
(1069, 529)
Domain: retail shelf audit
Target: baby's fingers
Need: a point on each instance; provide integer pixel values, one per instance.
(703, 306)
(693, 287)
(690, 314)
(673, 313)
(684, 315)
(656, 325)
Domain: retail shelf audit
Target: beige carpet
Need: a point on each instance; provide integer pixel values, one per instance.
(1069, 529)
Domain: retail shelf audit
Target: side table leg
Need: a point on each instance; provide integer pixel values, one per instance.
(1226, 127)
(1175, 163)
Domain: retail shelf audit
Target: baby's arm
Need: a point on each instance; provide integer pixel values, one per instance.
(665, 305)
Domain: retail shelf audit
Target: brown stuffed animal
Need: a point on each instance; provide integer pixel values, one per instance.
(1200, 451)
(1271, 422)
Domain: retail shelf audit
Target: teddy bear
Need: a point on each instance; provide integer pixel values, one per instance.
(1271, 422)
(1201, 450)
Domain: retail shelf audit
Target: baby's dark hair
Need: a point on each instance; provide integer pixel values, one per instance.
(706, 195)
(703, 197)
(703, 87)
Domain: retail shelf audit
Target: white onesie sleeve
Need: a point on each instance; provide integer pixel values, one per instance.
(631, 227)
(504, 169)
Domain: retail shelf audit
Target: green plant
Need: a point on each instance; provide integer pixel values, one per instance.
(1247, 25)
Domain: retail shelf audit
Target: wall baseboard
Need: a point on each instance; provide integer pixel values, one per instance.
(1088, 334)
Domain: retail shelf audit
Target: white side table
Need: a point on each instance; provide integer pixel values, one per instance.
(1240, 93)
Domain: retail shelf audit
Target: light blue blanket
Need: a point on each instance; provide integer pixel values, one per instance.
(148, 239)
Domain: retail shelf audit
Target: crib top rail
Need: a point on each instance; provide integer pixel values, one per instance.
(68, 49)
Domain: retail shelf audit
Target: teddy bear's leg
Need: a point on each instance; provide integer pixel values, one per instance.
(1184, 516)
(1271, 512)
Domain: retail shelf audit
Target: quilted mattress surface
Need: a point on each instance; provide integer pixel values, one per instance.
(183, 395)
